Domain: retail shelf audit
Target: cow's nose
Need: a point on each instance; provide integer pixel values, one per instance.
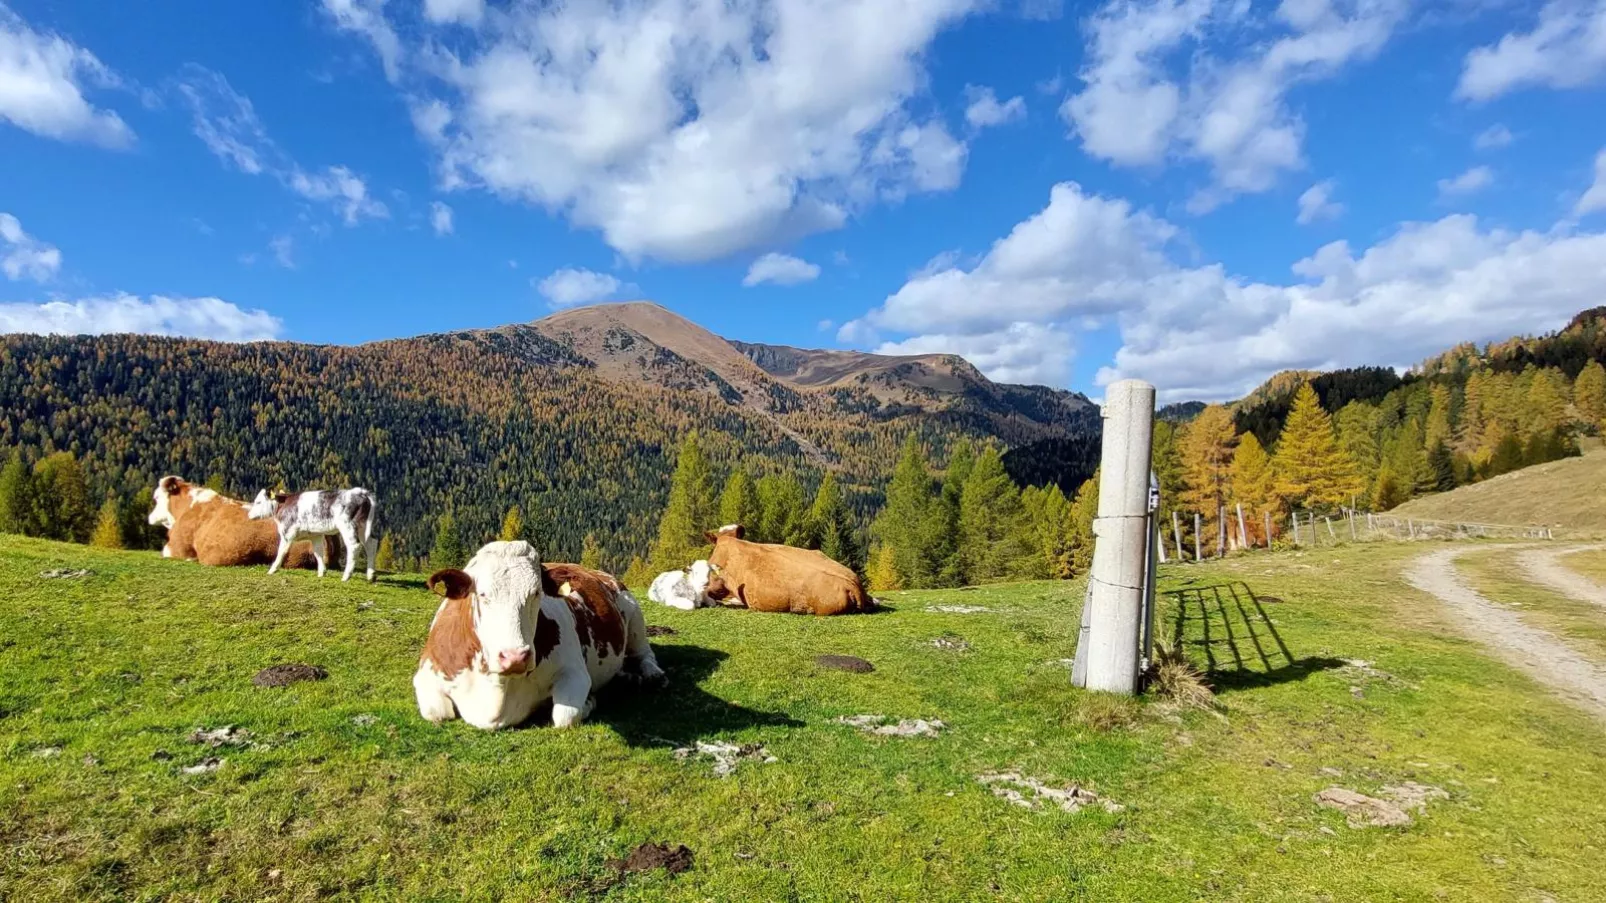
(514, 661)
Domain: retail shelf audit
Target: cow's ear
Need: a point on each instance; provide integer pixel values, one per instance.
(738, 531)
(451, 583)
(171, 485)
(280, 497)
(711, 537)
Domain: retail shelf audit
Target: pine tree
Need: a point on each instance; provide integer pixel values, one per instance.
(883, 571)
(738, 504)
(1388, 493)
(1408, 459)
(899, 527)
(782, 517)
(448, 549)
(1167, 463)
(61, 498)
(1357, 425)
(1437, 429)
(17, 497)
(108, 527)
(989, 528)
(512, 525)
(1254, 484)
(1207, 450)
(1052, 533)
(385, 559)
(831, 525)
(1589, 394)
(591, 553)
(1470, 429)
(1312, 470)
(690, 512)
(1441, 461)
(1084, 510)
(940, 538)
(1546, 405)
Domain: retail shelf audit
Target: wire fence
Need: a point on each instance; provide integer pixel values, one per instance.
(1234, 529)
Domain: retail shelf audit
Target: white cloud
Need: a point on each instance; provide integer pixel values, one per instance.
(24, 257)
(440, 218)
(1230, 113)
(682, 130)
(569, 287)
(781, 269)
(982, 108)
(1565, 49)
(42, 80)
(1030, 353)
(1470, 182)
(1317, 204)
(1494, 137)
(1197, 331)
(1594, 198)
(205, 318)
(283, 248)
(227, 124)
(467, 12)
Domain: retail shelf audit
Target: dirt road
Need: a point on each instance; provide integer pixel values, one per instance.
(1539, 653)
(1544, 567)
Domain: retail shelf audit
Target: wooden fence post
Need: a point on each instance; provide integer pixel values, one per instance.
(1243, 533)
(1176, 533)
(1268, 529)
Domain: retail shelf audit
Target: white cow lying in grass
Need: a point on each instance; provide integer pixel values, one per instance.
(685, 589)
(512, 633)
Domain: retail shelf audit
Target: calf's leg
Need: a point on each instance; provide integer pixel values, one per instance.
(320, 553)
(284, 549)
(349, 537)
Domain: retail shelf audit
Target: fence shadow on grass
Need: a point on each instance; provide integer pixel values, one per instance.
(681, 711)
(1227, 626)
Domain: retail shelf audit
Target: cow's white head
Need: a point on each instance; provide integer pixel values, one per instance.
(698, 576)
(163, 513)
(263, 506)
(501, 585)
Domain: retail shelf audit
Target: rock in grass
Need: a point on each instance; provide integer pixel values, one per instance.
(844, 663)
(287, 674)
(1363, 811)
(651, 856)
(726, 756)
(1031, 793)
(908, 727)
(65, 574)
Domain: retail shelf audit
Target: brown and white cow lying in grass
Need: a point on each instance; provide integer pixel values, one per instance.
(511, 634)
(213, 529)
(347, 513)
(767, 577)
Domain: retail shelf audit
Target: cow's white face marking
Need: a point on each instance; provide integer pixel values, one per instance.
(160, 516)
(506, 602)
(261, 507)
(698, 574)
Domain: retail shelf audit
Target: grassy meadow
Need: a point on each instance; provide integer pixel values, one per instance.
(1564, 495)
(346, 793)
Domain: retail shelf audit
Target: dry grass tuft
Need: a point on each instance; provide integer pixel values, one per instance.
(1175, 678)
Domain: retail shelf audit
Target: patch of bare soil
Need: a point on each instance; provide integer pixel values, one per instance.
(287, 674)
(727, 756)
(1543, 566)
(651, 856)
(1539, 653)
(65, 574)
(1362, 811)
(660, 630)
(844, 663)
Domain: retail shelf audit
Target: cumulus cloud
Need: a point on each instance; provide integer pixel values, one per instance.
(682, 130)
(570, 287)
(203, 318)
(781, 269)
(1492, 138)
(1317, 204)
(1566, 48)
(24, 257)
(440, 218)
(982, 108)
(1173, 78)
(1198, 331)
(42, 81)
(1472, 181)
(1593, 199)
(228, 125)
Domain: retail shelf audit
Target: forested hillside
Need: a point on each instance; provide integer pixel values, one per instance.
(574, 420)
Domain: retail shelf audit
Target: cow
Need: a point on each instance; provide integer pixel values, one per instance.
(685, 589)
(777, 578)
(512, 633)
(348, 513)
(209, 527)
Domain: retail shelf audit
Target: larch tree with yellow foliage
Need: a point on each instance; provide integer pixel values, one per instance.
(1313, 470)
(1206, 447)
(1254, 485)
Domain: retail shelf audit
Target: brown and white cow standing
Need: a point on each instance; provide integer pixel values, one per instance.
(210, 527)
(512, 633)
(777, 578)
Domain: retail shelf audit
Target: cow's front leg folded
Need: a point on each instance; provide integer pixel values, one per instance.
(571, 699)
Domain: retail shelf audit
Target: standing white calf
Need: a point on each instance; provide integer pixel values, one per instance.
(348, 513)
(685, 589)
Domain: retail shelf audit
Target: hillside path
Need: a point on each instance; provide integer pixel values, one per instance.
(1544, 566)
(1539, 653)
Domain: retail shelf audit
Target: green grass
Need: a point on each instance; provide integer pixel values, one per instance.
(114, 667)
(1496, 574)
(1591, 564)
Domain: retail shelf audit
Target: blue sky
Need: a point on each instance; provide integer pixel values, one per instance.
(1196, 192)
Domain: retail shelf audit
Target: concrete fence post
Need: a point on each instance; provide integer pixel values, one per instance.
(1198, 531)
(1176, 533)
(1268, 529)
(1121, 550)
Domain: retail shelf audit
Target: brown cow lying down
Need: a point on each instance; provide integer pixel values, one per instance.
(767, 577)
(213, 529)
